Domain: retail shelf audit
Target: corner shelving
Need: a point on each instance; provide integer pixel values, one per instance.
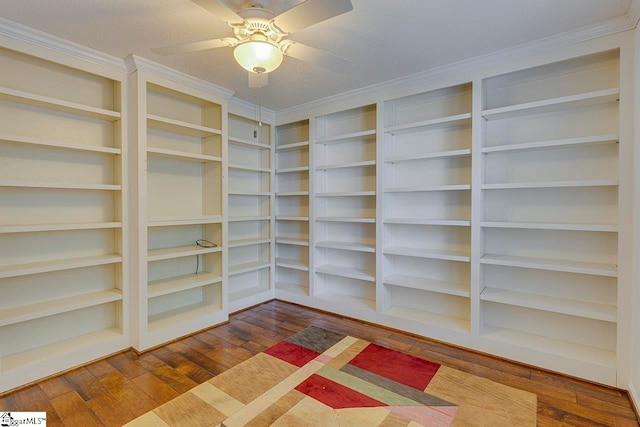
(427, 210)
(63, 238)
(549, 230)
(249, 205)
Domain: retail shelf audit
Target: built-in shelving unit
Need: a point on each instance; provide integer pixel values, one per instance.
(345, 164)
(427, 210)
(249, 205)
(294, 201)
(63, 244)
(549, 227)
(180, 133)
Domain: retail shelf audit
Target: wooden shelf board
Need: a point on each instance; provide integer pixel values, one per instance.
(38, 267)
(428, 253)
(550, 226)
(552, 184)
(247, 142)
(59, 227)
(249, 218)
(58, 144)
(293, 170)
(41, 101)
(292, 146)
(194, 220)
(552, 264)
(181, 283)
(583, 353)
(347, 137)
(291, 241)
(248, 267)
(180, 315)
(557, 143)
(347, 194)
(350, 272)
(428, 284)
(179, 127)
(347, 246)
(60, 185)
(67, 346)
(572, 307)
(293, 288)
(248, 242)
(179, 252)
(249, 168)
(345, 219)
(182, 155)
(347, 300)
(429, 156)
(9, 316)
(427, 221)
(448, 121)
(347, 165)
(429, 318)
(553, 104)
(453, 187)
(293, 264)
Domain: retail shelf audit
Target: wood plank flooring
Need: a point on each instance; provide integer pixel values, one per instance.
(113, 391)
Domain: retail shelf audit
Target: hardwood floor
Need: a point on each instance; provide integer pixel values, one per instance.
(113, 391)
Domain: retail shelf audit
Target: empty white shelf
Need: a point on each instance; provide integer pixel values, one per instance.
(455, 187)
(37, 267)
(291, 241)
(336, 298)
(582, 267)
(427, 221)
(429, 318)
(347, 246)
(292, 193)
(293, 288)
(428, 253)
(347, 137)
(186, 220)
(455, 120)
(179, 127)
(345, 219)
(556, 143)
(292, 146)
(293, 264)
(249, 193)
(568, 306)
(347, 194)
(350, 272)
(554, 104)
(248, 142)
(247, 242)
(249, 168)
(58, 227)
(41, 101)
(182, 155)
(247, 267)
(26, 140)
(293, 170)
(552, 184)
(179, 252)
(428, 284)
(550, 226)
(181, 283)
(292, 218)
(249, 218)
(347, 165)
(60, 185)
(9, 316)
(429, 156)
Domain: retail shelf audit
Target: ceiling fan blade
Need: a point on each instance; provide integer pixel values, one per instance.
(219, 10)
(310, 12)
(317, 57)
(194, 46)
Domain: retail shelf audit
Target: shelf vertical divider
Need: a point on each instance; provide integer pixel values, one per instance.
(380, 152)
(312, 206)
(477, 203)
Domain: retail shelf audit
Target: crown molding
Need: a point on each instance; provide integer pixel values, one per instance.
(24, 34)
(246, 109)
(135, 62)
(371, 93)
(634, 12)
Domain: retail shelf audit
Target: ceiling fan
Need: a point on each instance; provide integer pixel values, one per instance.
(261, 38)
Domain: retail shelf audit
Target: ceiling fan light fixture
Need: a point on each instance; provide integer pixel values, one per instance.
(258, 56)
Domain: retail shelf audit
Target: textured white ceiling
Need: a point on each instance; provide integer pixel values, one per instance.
(383, 39)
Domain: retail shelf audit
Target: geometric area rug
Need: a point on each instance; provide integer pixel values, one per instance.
(322, 378)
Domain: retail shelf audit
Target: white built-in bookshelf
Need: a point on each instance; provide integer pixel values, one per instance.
(344, 169)
(426, 182)
(294, 199)
(180, 152)
(63, 252)
(249, 206)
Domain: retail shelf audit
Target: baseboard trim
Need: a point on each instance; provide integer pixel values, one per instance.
(634, 397)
